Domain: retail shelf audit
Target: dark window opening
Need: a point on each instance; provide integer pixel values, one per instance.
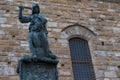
(81, 59)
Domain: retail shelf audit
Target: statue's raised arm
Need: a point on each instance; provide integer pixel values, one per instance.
(23, 19)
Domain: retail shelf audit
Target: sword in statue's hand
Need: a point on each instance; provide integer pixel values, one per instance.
(22, 7)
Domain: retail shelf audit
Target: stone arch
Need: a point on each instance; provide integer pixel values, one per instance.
(77, 30)
(80, 31)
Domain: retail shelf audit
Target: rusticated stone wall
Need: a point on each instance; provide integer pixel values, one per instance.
(102, 18)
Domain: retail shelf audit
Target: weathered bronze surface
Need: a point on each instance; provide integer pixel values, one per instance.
(42, 62)
(39, 71)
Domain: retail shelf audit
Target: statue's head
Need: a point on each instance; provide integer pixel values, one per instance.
(35, 9)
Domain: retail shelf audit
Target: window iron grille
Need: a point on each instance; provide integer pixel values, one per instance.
(81, 59)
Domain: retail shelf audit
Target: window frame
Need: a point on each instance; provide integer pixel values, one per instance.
(88, 62)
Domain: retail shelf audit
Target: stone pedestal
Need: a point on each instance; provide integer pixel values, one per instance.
(38, 69)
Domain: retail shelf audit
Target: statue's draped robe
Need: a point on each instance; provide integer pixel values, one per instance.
(37, 37)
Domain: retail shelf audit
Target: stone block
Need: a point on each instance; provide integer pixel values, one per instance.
(14, 78)
(13, 59)
(63, 56)
(2, 32)
(64, 35)
(117, 54)
(110, 74)
(13, 31)
(92, 20)
(7, 15)
(118, 24)
(63, 25)
(65, 78)
(1, 71)
(106, 79)
(9, 71)
(99, 73)
(52, 24)
(10, 0)
(4, 42)
(56, 30)
(2, 11)
(4, 78)
(100, 53)
(73, 21)
(3, 64)
(23, 42)
(6, 25)
(112, 68)
(111, 10)
(2, 20)
(4, 59)
(116, 30)
(54, 34)
(64, 73)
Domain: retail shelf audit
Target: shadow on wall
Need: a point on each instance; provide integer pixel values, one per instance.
(112, 1)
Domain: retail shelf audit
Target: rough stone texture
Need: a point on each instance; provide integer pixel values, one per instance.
(110, 74)
(2, 20)
(101, 27)
(9, 71)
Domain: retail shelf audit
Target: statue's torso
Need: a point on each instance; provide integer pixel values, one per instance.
(37, 22)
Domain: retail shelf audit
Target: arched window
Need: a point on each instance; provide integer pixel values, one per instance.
(81, 59)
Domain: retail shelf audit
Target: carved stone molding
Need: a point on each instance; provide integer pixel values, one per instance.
(77, 31)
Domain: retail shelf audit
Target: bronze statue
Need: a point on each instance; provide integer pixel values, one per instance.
(37, 36)
(42, 65)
